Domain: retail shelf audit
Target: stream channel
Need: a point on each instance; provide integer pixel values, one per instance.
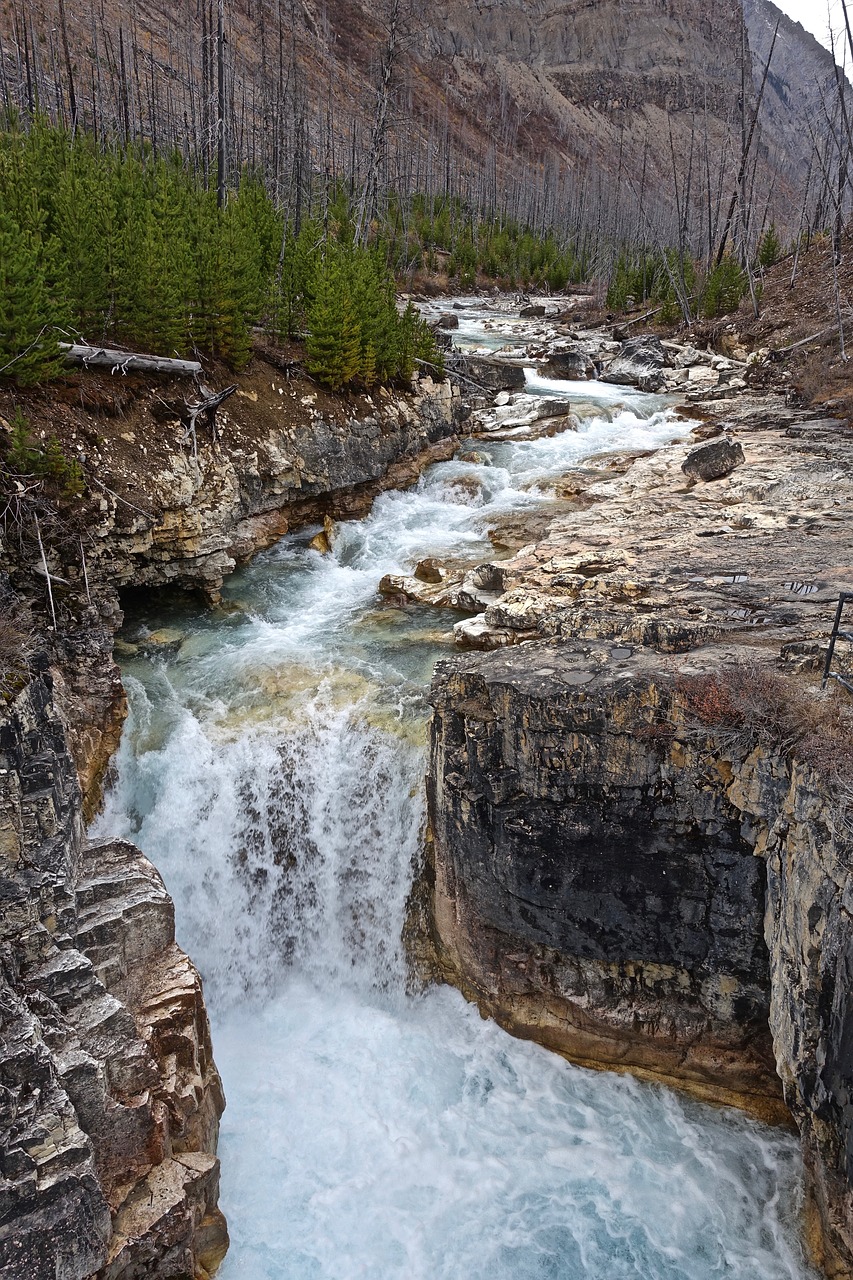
(272, 768)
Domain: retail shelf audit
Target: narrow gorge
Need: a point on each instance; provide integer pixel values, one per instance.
(607, 860)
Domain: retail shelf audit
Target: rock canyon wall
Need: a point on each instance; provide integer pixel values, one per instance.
(109, 1096)
(635, 860)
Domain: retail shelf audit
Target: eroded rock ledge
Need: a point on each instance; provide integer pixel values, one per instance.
(643, 893)
(618, 879)
(109, 1096)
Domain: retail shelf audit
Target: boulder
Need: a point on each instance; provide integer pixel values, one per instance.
(713, 460)
(447, 321)
(533, 311)
(492, 375)
(640, 363)
(572, 365)
(430, 570)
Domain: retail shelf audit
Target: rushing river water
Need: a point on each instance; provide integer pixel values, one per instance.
(272, 767)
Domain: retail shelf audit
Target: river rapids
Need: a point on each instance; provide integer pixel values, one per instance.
(272, 768)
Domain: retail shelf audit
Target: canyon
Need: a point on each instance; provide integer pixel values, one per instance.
(610, 870)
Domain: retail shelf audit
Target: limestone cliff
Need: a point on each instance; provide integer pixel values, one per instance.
(639, 800)
(285, 455)
(109, 1096)
(641, 892)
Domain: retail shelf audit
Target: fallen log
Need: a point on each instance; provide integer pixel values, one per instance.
(126, 361)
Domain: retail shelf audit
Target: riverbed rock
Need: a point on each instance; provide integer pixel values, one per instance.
(449, 320)
(713, 460)
(109, 1084)
(430, 570)
(640, 363)
(488, 373)
(571, 365)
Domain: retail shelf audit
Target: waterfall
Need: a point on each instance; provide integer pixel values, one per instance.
(272, 768)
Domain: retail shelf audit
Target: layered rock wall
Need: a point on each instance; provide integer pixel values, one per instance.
(171, 517)
(640, 892)
(109, 1096)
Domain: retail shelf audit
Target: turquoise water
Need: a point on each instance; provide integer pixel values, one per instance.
(272, 768)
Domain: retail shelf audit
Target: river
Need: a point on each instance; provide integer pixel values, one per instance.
(272, 768)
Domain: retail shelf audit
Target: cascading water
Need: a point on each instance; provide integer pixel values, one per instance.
(272, 768)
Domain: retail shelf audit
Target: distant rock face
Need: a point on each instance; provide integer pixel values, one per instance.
(800, 80)
(109, 1096)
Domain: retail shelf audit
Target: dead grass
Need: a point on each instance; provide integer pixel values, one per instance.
(760, 706)
(17, 643)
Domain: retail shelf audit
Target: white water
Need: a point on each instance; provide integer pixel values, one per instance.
(272, 768)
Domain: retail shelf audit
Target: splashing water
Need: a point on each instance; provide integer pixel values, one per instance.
(272, 768)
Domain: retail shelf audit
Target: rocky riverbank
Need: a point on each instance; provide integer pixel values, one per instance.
(641, 846)
(110, 1096)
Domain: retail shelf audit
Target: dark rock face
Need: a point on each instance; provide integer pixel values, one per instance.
(574, 366)
(564, 847)
(109, 1097)
(713, 460)
(639, 364)
(636, 891)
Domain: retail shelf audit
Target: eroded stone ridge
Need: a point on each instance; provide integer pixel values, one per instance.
(109, 1096)
(611, 874)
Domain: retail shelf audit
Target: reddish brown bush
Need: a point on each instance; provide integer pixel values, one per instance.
(759, 704)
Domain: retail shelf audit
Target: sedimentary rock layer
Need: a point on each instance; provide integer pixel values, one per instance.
(109, 1096)
(631, 881)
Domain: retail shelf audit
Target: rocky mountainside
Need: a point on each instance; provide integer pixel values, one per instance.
(800, 82)
(572, 111)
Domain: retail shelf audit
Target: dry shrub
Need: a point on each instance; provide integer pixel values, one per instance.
(759, 705)
(17, 643)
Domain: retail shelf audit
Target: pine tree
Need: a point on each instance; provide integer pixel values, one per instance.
(84, 208)
(333, 345)
(769, 247)
(32, 302)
